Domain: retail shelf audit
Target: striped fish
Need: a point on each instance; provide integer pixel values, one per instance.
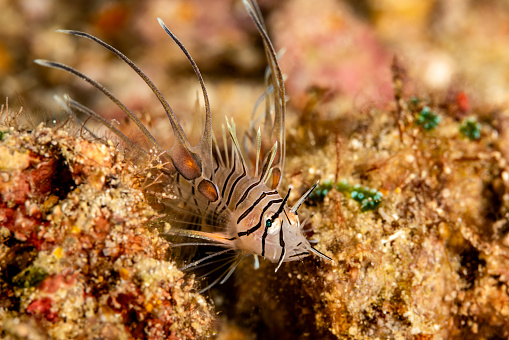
(217, 194)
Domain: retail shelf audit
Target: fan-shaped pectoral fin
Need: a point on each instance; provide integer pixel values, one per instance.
(209, 190)
(185, 162)
(177, 129)
(190, 166)
(204, 148)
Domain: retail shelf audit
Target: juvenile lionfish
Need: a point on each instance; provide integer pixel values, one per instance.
(225, 195)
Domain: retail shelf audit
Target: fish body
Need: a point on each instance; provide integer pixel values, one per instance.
(217, 194)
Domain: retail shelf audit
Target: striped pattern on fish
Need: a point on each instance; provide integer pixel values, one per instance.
(224, 194)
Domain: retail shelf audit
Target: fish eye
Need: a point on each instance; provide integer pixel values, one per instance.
(272, 225)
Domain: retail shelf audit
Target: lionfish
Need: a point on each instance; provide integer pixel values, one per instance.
(224, 196)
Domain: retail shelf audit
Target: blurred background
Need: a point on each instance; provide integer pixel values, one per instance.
(339, 52)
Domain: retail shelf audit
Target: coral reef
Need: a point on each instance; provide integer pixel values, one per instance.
(76, 260)
(425, 258)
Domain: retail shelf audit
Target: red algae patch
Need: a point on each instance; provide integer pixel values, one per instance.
(76, 257)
